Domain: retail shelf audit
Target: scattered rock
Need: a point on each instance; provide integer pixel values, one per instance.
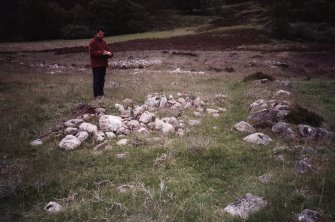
(53, 207)
(88, 127)
(322, 133)
(110, 135)
(37, 142)
(194, 122)
(303, 166)
(110, 123)
(82, 135)
(307, 132)
(122, 155)
(244, 127)
(308, 215)
(147, 117)
(263, 118)
(265, 178)
(167, 129)
(124, 188)
(70, 130)
(70, 142)
(258, 138)
(122, 142)
(73, 122)
(282, 93)
(99, 136)
(246, 205)
(258, 104)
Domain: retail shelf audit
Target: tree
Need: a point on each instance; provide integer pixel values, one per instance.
(118, 16)
(42, 21)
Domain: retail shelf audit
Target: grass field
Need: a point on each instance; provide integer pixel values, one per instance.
(207, 169)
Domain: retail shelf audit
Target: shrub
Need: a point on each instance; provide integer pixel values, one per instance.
(320, 32)
(73, 31)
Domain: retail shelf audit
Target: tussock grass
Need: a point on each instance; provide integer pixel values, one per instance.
(205, 170)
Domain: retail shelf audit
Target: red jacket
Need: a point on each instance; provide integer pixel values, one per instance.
(96, 48)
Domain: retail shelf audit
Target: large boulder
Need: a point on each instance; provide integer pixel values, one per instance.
(258, 138)
(70, 142)
(110, 123)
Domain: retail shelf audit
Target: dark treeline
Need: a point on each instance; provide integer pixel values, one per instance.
(23, 20)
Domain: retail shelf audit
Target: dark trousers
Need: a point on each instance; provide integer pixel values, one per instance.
(99, 74)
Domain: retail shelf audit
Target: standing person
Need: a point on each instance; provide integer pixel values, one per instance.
(99, 54)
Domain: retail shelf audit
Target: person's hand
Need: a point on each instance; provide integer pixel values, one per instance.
(107, 53)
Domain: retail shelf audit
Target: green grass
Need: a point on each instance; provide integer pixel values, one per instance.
(206, 170)
(44, 45)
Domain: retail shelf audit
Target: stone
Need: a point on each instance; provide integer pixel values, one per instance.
(158, 124)
(70, 130)
(172, 120)
(216, 115)
(110, 135)
(194, 122)
(197, 102)
(212, 111)
(122, 155)
(143, 131)
(73, 122)
(308, 215)
(322, 133)
(181, 132)
(147, 117)
(99, 136)
(122, 142)
(187, 105)
(265, 178)
(222, 110)
(128, 103)
(53, 207)
(307, 132)
(119, 107)
(258, 138)
(82, 135)
(139, 110)
(152, 101)
(303, 166)
(258, 104)
(282, 93)
(244, 127)
(100, 110)
(197, 113)
(70, 142)
(181, 100)
(110, 123)
(36, 142)
(87, 117)
(88, 127)
(262, 118)
(162, 102)
(167, 129)
(245, 206)
(124, 188)
(220, 97)
(284, 130)
(133, 124)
